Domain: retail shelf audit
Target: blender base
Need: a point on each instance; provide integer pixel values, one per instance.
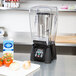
(43, 52)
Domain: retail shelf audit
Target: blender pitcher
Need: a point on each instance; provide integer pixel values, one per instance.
(43, 23)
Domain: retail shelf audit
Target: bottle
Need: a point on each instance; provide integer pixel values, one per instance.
(0, 3)
(3, 2)
(12, 3)
(17, 3)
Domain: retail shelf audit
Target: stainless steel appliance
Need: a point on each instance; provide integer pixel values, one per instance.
(43, 21)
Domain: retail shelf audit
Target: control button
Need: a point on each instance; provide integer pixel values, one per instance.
(41, 56)
(38, 53)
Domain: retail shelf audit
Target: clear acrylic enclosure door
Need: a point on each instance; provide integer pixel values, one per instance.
(43, 21)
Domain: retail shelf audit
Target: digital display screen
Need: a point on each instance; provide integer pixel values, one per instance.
(39, 50)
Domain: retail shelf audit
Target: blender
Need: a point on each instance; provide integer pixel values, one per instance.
(43, 25)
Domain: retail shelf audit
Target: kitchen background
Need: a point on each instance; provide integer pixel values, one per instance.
(17, 24)
(18, 21)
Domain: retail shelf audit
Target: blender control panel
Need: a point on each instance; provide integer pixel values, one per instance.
(39, 53)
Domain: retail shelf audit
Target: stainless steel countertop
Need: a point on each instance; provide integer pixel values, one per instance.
(25, 38)
(65, 65)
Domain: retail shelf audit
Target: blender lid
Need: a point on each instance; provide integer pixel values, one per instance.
(44, 9)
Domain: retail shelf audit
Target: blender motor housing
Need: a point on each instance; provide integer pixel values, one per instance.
(43, 52)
